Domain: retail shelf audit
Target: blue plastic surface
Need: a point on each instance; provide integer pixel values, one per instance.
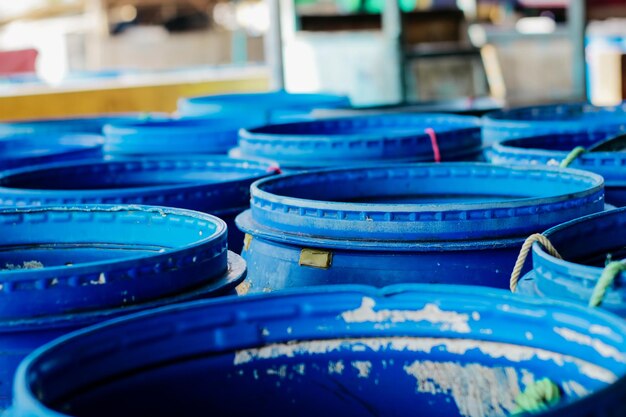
(26, 150)
(257, 109)
(361, 139)
(561, 118)
(552, 149)
(584, 244)
(168, 137)
(441, 351)
(460, 223)
(83, 124)
(212, 184)
(63, 268)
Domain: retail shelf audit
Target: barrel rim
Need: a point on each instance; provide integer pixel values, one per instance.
(136, 164)
(78, 280)
(567, 314)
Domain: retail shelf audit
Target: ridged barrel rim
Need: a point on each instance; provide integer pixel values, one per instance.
(345, 312)
(274, 101)
(218, 195)
(577, 281)
(236, 272)
(190, 250)
(343, 139)
(527, 150)
(581, 193)
(172, 136)
(561, 116)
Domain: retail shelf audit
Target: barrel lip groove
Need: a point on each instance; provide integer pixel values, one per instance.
(222, 192)
(545, 119)
(421, 221)
(233, 276)
(526, 151)
(362, 138)
(190, 241)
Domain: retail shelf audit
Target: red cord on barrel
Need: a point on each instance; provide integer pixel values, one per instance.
(433, 141)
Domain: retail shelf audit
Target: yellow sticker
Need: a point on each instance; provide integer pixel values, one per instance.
(247, 239)
(315, 258)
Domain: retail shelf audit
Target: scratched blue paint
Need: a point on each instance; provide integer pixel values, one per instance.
(441, 351)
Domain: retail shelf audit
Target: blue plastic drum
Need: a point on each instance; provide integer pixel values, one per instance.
(586, 246)
(554, 148)
(26, 150)
(170, 137)
(211, 184)
(457, 223)
(562, 118)
(63, 268)
(362, 139)
(82, 124)
(257, 109)
(440, 351)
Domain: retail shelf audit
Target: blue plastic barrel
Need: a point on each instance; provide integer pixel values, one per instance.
(562, 118)
(456, 223)
(253, 109)
(168, 137)
(371, 138)
(585, 245)
(63, 268)
(26, 150)
(212, 184)
(82, 124)
(553, 148)
(440, 351)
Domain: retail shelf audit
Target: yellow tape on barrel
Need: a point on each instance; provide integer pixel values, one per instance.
(315, 258)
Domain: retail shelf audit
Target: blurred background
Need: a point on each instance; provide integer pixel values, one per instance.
(93, 56)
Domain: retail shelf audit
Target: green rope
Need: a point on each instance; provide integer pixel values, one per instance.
(609, 273)
(571, 157)
(537, 397)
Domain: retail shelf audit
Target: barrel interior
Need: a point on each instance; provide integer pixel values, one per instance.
(402, 187)
(557, 141)
(347, 377)
(594, 242)
(366, 126)
(93, 238)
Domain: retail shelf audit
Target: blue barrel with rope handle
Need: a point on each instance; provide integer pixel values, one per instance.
(67, 267)
(364, 139)
(257, 109)
(212, 184)
(591, 151)
(443, 350)
(580, 261)
(554, 118)
(457, 223)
